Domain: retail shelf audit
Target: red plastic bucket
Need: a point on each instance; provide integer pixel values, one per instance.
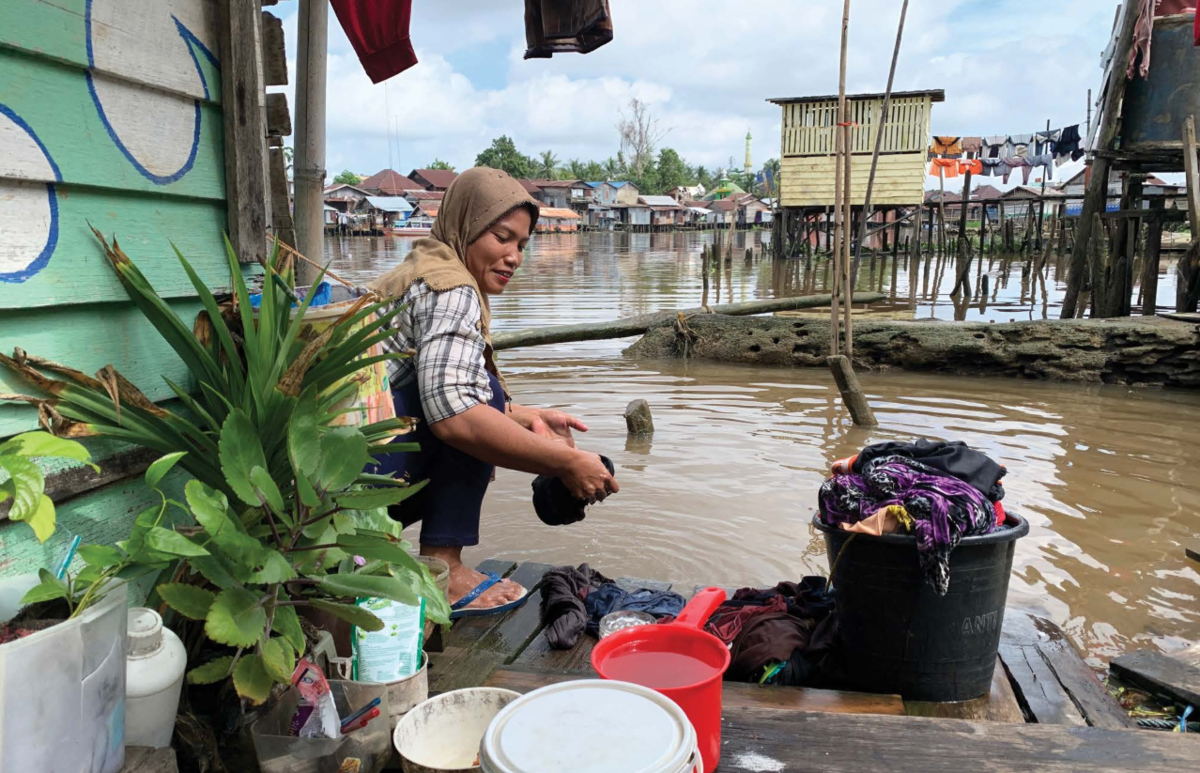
(679, 660)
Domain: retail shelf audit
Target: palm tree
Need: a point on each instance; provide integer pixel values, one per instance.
(547, 165)
(576, 168)
(612, 168)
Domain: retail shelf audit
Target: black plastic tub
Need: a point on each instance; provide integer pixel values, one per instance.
(898, 635)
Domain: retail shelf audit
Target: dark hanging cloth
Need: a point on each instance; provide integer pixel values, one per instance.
(1068, 144)
(613, 598)
(792, 624)
(561, 26)
(554, 504)
(564, 614)
(378, 30)
(955, 459)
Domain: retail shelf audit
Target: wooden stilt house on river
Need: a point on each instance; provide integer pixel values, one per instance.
(808, 155)
(114, 113)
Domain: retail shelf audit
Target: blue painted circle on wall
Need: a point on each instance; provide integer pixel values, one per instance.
(38, 262)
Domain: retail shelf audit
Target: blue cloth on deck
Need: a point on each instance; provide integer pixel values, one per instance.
(613, 598)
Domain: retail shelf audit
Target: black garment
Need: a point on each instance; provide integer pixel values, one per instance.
(1069, 144)
(559, 26)
(614, 598)
(563, 612)
(555, 505)
(954, 459)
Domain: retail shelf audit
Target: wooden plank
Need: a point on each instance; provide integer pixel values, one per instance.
(1037, 688)
(1192, 553)
(274, 55)
(105, 132)
(735, 695)
(75, 270)
(245, 130)
(72, 481)
(1161, 674)
(164, 45)
(1192, 174)
(89, 338)
(282, 224)
(141, 759)
(1189, 656)
(1084, 687)
(999, 705)
(279, 119)
(476, 646)
(763, 739)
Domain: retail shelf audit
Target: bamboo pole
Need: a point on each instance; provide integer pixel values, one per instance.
(311, 50)
(887, 102)
(841, 184)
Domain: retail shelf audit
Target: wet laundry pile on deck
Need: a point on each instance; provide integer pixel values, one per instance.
(575, 599)
(784, 635)
(940, 492)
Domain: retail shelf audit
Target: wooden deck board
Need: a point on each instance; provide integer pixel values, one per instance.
(736, 696)
(852, 743)
(999, 705)
(1161, 674)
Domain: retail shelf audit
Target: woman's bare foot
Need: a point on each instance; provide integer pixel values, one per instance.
(463, 580)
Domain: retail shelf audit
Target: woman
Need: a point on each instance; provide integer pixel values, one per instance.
(467, 425)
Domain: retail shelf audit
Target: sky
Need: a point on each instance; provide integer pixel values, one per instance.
(706, 70)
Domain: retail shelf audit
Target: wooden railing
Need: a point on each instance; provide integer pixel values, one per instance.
(808, 127)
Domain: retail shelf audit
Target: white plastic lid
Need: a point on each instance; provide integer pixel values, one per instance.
(145, 634)
(590, 726)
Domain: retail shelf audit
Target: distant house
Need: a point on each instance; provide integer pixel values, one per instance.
(530, 187)
(603, 193)
(627, 193)
(416, 197)
(722, 212)
(1018, 200)
(557, 220)
(426, 209)
(387, 211)
(634, 217)
(665, 212)
(687, 192)
(751, 210)
(560, 194)
(725, 188)
(387, 182)
(433, 179)
(345, 197)
(695, 212)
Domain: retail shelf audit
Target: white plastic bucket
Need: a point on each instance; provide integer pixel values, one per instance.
(442, 735)
(591, 726)
(406, 694)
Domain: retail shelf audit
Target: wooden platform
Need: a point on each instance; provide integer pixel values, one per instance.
(1047, 711)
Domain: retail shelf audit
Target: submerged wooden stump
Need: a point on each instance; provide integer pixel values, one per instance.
(638, 419)
(852, 394)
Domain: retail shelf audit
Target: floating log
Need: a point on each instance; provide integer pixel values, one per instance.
(638, 419)
(1150, 352)
(631, 326)
(1160, 674)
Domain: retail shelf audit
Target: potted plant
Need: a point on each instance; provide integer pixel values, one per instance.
(269, 521)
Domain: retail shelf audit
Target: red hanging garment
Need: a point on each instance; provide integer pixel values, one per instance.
(378, 30)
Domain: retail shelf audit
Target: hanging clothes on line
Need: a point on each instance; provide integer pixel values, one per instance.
(1045, 142)
(946, 146)
(972, 146)
(996, 147)
(561, 26)
(1021, 145)
(951, 168)
(996, 167)
(378, 30)
(1068, 146)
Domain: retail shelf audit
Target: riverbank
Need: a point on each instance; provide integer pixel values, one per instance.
(1130, 351)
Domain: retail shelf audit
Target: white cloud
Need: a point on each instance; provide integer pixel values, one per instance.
(707, 69)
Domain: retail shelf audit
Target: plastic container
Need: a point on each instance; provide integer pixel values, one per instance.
(597, 727)
(405, 694)
(443, 734)
(898, 635)
(155, 660)
(63, 694)
(681, 655)
(279, 752)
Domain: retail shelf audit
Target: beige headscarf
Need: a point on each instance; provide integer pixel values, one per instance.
(474, 201)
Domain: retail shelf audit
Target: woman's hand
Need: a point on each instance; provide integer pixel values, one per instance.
(551, 424)
(586, 477)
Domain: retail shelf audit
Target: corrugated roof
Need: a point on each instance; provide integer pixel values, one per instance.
(559, 213)
(424, 195)
(700, 210)
(659, 201)
(390, 182)
(390, 203)
(438, 178)
(938, 95)
(722, 205)
(430, 207)
(530, 186)
(555, 183)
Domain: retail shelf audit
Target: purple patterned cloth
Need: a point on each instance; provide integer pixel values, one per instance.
(944, 509)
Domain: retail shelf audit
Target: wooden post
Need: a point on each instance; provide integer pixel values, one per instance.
(1096, 261)
(1097, 192)
(963, 254)
(841, 212)
(1042, 205)
(886, 108)
(245, 129)
(847, 277)
(941, 210)
(895, 234)
(309, 173)
(1154, 232)
(1193, 175)
(851, 391)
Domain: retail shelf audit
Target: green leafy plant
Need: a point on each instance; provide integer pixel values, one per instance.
(279, 495)
(25, 488)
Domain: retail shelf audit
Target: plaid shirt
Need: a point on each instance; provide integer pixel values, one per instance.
(443, 328)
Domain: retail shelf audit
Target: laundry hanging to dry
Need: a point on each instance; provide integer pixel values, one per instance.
(566, 26)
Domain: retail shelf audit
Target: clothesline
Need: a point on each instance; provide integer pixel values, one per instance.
(998, 155)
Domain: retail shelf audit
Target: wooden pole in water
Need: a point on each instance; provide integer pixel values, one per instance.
(1154, 233)
(842, 214)
(963, 254)
(311, 52)
(887, 102)
(851, 391)
(847, 277)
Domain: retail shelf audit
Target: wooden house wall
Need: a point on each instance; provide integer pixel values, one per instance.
(808, 147)
(628, 194)
(110, 113)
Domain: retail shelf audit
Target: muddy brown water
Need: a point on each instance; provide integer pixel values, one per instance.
(724, 491)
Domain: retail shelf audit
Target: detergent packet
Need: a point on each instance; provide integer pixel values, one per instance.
(394, 651)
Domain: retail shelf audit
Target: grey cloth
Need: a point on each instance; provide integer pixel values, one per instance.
(1044, 160)
(1046, 142)
(995, 147)
(1021, 145)
(996, 167)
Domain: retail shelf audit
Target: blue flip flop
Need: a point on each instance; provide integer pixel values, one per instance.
(457, 608)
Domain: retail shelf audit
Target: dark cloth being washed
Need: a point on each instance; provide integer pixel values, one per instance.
(575, 600)
(562, 26)
(786, 634)
(943, 509)
(954, 458)
(554, 503)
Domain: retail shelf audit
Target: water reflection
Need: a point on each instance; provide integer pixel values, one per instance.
(723, 492)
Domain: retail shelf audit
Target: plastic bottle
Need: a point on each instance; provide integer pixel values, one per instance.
(155, 662)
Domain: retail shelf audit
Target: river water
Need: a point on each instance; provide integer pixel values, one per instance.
(725, 490)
